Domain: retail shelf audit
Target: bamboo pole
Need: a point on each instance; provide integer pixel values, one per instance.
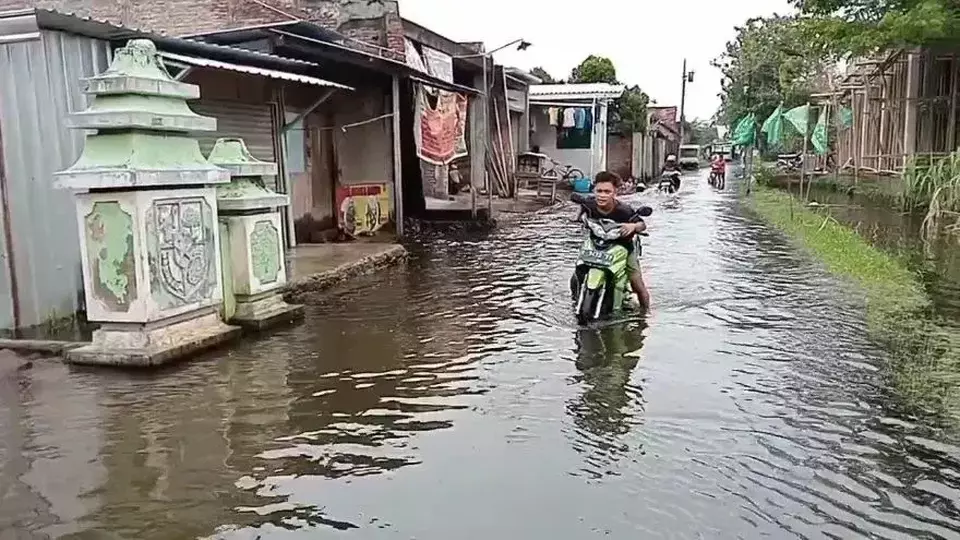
(503, 161)
(855, 139)
(806, 146)
(952, 122)
(512, 158)
(865, 126)
(496, 166)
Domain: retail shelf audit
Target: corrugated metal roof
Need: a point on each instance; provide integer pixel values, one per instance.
(273, 74)
(20, 25)
(103, 29)
(577, 91)
(524, 76)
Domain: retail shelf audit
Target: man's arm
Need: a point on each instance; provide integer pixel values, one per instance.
(625, 216)
(579, 198)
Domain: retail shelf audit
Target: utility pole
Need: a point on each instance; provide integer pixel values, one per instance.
(687, 78)
(683, 100)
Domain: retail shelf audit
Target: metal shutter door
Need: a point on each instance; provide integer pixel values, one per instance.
(252, 123)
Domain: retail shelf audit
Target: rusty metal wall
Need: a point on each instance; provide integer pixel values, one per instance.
(363, 136)
(252, 123)
(39, 87)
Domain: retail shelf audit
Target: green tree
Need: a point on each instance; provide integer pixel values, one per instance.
(543, 75)
(594, 69)
(702, 132)
(769, 62)
(628, 114)
(863, 26)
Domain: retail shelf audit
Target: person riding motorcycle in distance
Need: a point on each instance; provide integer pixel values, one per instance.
(718, 165)
(604, 205)
(670, 166)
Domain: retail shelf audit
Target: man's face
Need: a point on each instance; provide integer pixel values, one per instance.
(606, 195)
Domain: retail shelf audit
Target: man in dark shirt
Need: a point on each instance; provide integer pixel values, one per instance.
(604, 205)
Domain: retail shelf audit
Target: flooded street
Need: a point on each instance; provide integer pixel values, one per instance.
(457, 399)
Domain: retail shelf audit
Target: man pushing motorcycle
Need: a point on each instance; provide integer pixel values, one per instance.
(604, 205)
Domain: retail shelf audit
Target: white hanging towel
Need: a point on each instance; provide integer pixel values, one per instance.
(552, 112)
(569, 118)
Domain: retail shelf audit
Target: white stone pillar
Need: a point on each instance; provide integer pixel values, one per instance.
(147, 216)
(254, 266)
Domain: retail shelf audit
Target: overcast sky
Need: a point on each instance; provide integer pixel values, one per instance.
(646, 39)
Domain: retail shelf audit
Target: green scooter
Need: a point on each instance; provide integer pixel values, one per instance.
(600, 283)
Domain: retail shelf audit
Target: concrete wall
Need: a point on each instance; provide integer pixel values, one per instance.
(39, 87)
(636, 160)
(362, 154)
(545, 136)
(365, 152)
(620, 154)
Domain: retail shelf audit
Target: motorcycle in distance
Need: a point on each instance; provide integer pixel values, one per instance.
(789, 162)
(669, 182)
(600, 282)
(717, 178)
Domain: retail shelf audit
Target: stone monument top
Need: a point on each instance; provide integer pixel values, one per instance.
(142, 122)
(247, 190)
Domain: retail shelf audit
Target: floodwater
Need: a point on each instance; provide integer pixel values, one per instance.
(456, 399)
(936, 259)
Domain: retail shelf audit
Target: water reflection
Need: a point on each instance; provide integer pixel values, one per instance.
(609, 405)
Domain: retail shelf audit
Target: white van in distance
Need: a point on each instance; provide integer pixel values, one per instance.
(689, 156)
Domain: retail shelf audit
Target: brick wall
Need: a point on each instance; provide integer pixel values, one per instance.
(620, 154)
(372, 21)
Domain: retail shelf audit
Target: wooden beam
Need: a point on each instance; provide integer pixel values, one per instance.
(397, 157)
(910, 114)
(952, 122)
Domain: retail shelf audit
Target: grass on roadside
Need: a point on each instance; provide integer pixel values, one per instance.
(925, 357)
(933, 186)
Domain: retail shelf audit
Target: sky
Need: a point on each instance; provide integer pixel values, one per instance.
(646, 39)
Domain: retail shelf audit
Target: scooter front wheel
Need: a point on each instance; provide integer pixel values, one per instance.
(591, 300)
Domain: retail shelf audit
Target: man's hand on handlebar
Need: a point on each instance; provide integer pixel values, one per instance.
(632, 228)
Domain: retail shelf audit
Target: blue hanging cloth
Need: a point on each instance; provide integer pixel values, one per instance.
(579, 118)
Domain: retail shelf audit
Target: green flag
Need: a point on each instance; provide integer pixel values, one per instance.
(819, 136)
(744, 133)
(798, 118)
(846, 117)
(773, 127)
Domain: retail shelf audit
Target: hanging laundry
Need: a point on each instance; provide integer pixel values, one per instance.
(553, 113)
(568, 118)
(579, 118)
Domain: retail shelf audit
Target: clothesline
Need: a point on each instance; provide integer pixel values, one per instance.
(345, 127)
(571, 104)
(571, 117)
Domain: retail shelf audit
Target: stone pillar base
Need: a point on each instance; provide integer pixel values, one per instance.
(143, 346)
(259, 313)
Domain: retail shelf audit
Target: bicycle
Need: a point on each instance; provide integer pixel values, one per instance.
(567, 173)
(557, 174)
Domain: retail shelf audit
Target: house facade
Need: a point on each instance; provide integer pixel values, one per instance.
(569, 123)
(325, 106)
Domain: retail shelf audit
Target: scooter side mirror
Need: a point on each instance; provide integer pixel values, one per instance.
(645, 211)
